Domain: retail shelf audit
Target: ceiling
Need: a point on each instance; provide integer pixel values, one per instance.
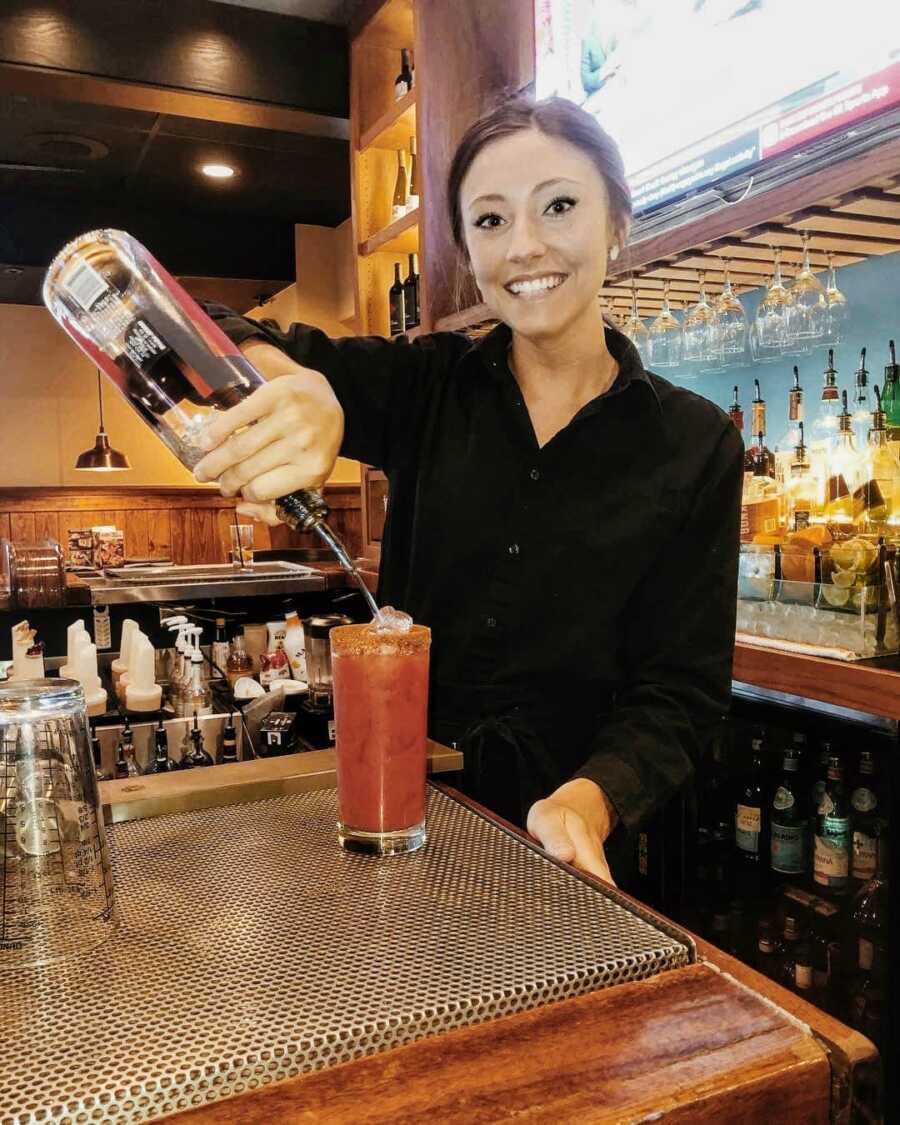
(68, 166)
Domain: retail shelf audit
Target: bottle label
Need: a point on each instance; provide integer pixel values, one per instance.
(803, 976)
(801, 519)
(759, 418)
(865, 854)
(331, 730)
(787, 849)
(863, 800)
(747, 827)
(784, 798)
(795, 405)
(832, 856)
(866, 954)
(142, 343)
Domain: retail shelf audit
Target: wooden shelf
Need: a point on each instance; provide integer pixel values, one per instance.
(401, 237)
(869, 686)
(393, 129)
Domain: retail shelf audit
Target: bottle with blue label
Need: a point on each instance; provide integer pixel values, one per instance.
(831, 863)
(788, 819)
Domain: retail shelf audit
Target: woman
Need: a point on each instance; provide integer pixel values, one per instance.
(566, 522)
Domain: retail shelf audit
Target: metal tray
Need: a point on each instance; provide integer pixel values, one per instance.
(252, 949)
(141, 575)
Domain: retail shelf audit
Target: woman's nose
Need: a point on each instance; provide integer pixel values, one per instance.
(524, 242)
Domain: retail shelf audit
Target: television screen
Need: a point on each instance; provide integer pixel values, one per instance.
(696, 90)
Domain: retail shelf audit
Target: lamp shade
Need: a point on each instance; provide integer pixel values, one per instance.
(102, 458)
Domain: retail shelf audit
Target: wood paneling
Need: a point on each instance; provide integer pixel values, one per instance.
(186, 525)
(689, 1045)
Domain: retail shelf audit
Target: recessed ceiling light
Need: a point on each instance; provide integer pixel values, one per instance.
(217, 171)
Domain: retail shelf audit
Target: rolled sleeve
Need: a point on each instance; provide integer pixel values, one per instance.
(678, 651)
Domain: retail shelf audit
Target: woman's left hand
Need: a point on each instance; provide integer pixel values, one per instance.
(573, 823)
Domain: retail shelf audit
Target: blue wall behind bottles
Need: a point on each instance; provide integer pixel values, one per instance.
(872, 289)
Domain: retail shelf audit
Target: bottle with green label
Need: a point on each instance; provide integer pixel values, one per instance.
(789, 820)
(831, 863)
(864, 818)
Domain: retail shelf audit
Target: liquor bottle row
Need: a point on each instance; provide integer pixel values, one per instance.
(193, 752)
(790, 866)
(839, 470)
(403, 298)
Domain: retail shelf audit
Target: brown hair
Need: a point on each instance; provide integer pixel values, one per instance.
(555, 117)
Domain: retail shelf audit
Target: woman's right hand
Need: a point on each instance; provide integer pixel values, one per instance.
(283, 437)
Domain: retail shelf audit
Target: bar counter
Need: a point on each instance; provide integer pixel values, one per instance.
(530, 990)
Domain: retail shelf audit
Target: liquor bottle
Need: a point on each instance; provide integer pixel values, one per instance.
(890, 395)
(869, 934)
(843, 468)
(768, 950)
(821, 778)
(413, 175)
(803, 982)
(820, 957)
(787, 443)
(199, 697)
(802, 499)
(865, 991)
(791, 938)
(401, 189)
(750, 818)
(825, 424)
(162, 763)
(831, 865)
(397, 304)
(220, 650)
(239, 662)
(411, 295)
(736, 413)
(763, 459)
(126, 762)
(862, 409)
(403, 83)
(97, 755)
(196, 756)
(865, 819)
(229, 742)
(789, 820)
(875, 502)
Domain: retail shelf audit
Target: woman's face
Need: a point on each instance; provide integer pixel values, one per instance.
(538, 230)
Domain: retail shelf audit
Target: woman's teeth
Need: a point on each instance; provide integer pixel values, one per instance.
(536, 286)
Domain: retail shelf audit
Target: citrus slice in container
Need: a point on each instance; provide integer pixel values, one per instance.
(836, 596)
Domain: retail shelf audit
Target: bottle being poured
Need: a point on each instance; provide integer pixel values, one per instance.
(172, 363)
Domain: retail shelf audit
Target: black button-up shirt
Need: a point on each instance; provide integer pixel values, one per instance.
(590, 582)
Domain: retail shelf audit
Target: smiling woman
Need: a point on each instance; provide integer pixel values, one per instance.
(565, 521)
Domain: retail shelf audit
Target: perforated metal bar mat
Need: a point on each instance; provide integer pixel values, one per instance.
(251, 949)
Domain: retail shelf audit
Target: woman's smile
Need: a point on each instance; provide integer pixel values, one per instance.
(536, 287)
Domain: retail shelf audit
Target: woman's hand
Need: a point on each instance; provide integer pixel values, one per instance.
(283, 437)
(573, 823)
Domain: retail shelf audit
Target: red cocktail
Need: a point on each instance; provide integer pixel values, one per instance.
(381, 714)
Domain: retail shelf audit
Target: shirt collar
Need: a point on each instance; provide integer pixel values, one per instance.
(493, 348)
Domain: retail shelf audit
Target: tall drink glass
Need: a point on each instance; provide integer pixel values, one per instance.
(381, 714)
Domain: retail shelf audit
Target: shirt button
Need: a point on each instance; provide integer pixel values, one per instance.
(514, 548)
(491, 622)
(535, 474)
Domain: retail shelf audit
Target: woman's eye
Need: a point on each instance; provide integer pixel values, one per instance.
(560, 205)
(489, 221)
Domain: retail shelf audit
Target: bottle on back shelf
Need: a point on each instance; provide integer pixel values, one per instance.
(789, 820)
(820, 779)
(802, 501)
(413, 175)
(715, 815)
(196, 752)
(831, 862)
(401, 189)
(764, 459)
(890, 395)
(788, 441)
(97, 755)
(825, 424)
(862, 406)
(871, 905)
(792, 937)
(162, 763)
(403, 83)
(843, 470)
(295, 644)
(220, 650)
(865, 818)
(803, 982)
(876, 500)
(411, 294)
(768, 950)
(397, 304)
(750, 824)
